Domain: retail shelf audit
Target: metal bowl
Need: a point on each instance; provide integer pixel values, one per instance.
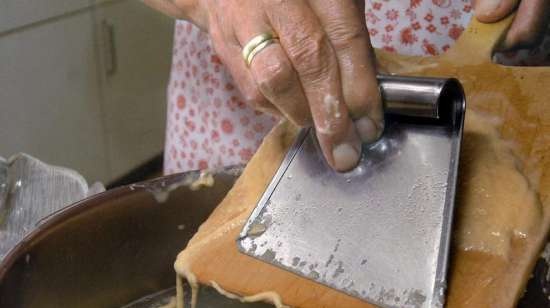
(110, 249)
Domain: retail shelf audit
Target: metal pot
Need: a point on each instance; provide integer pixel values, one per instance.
(110, 249)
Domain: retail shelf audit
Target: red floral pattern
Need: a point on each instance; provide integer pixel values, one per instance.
(419, 27)
(208, 124)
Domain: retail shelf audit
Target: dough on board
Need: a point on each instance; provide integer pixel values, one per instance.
(497, 212)
(495, 201)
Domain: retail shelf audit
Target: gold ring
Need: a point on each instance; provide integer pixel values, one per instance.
(255, 45)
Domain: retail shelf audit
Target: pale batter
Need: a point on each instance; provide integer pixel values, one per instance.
(496, 202)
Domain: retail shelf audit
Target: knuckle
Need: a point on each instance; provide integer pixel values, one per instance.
(343, 34)
(276, 78)
(310, 54)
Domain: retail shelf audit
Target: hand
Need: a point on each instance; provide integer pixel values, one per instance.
(529, 25)
(321, 69)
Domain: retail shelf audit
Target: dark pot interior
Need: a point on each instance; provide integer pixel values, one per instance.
(108, 250)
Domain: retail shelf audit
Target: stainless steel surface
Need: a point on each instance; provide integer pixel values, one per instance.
(380, 232)
(412, 96)
(113, 248)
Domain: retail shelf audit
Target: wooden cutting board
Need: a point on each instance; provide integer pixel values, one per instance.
(517, 96)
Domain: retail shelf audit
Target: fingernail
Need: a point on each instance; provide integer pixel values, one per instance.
(346, 157)
(487, 7)
(368, 130)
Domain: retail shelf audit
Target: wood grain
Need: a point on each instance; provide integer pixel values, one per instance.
(517, 95)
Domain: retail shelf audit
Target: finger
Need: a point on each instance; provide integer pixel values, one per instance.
(529, 26)
(493, 10)
(274, 75)
(313, 58)
(343, 21)
(229, 50)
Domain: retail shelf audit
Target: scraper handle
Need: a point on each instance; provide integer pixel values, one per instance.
(421, 97)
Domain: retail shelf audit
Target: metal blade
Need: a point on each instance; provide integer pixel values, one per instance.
(380, 232)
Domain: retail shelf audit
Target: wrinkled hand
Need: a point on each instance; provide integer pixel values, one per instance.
(321, 69)
(529, 25)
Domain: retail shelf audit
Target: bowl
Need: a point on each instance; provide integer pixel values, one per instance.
(112, 248)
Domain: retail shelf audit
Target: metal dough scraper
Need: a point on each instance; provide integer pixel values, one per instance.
(380, 232)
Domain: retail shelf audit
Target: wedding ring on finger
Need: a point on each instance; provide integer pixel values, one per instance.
(255, 45)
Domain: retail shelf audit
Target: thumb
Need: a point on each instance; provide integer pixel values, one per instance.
(493, 10)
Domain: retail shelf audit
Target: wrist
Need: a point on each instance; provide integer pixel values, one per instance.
(190, 10)
(193, 11)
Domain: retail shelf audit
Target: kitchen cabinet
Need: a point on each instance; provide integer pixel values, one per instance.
(137, 52)
(83, 82)
(50, 96)
(21, 13)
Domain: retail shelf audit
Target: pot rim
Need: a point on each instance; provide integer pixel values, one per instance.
(89, 203)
